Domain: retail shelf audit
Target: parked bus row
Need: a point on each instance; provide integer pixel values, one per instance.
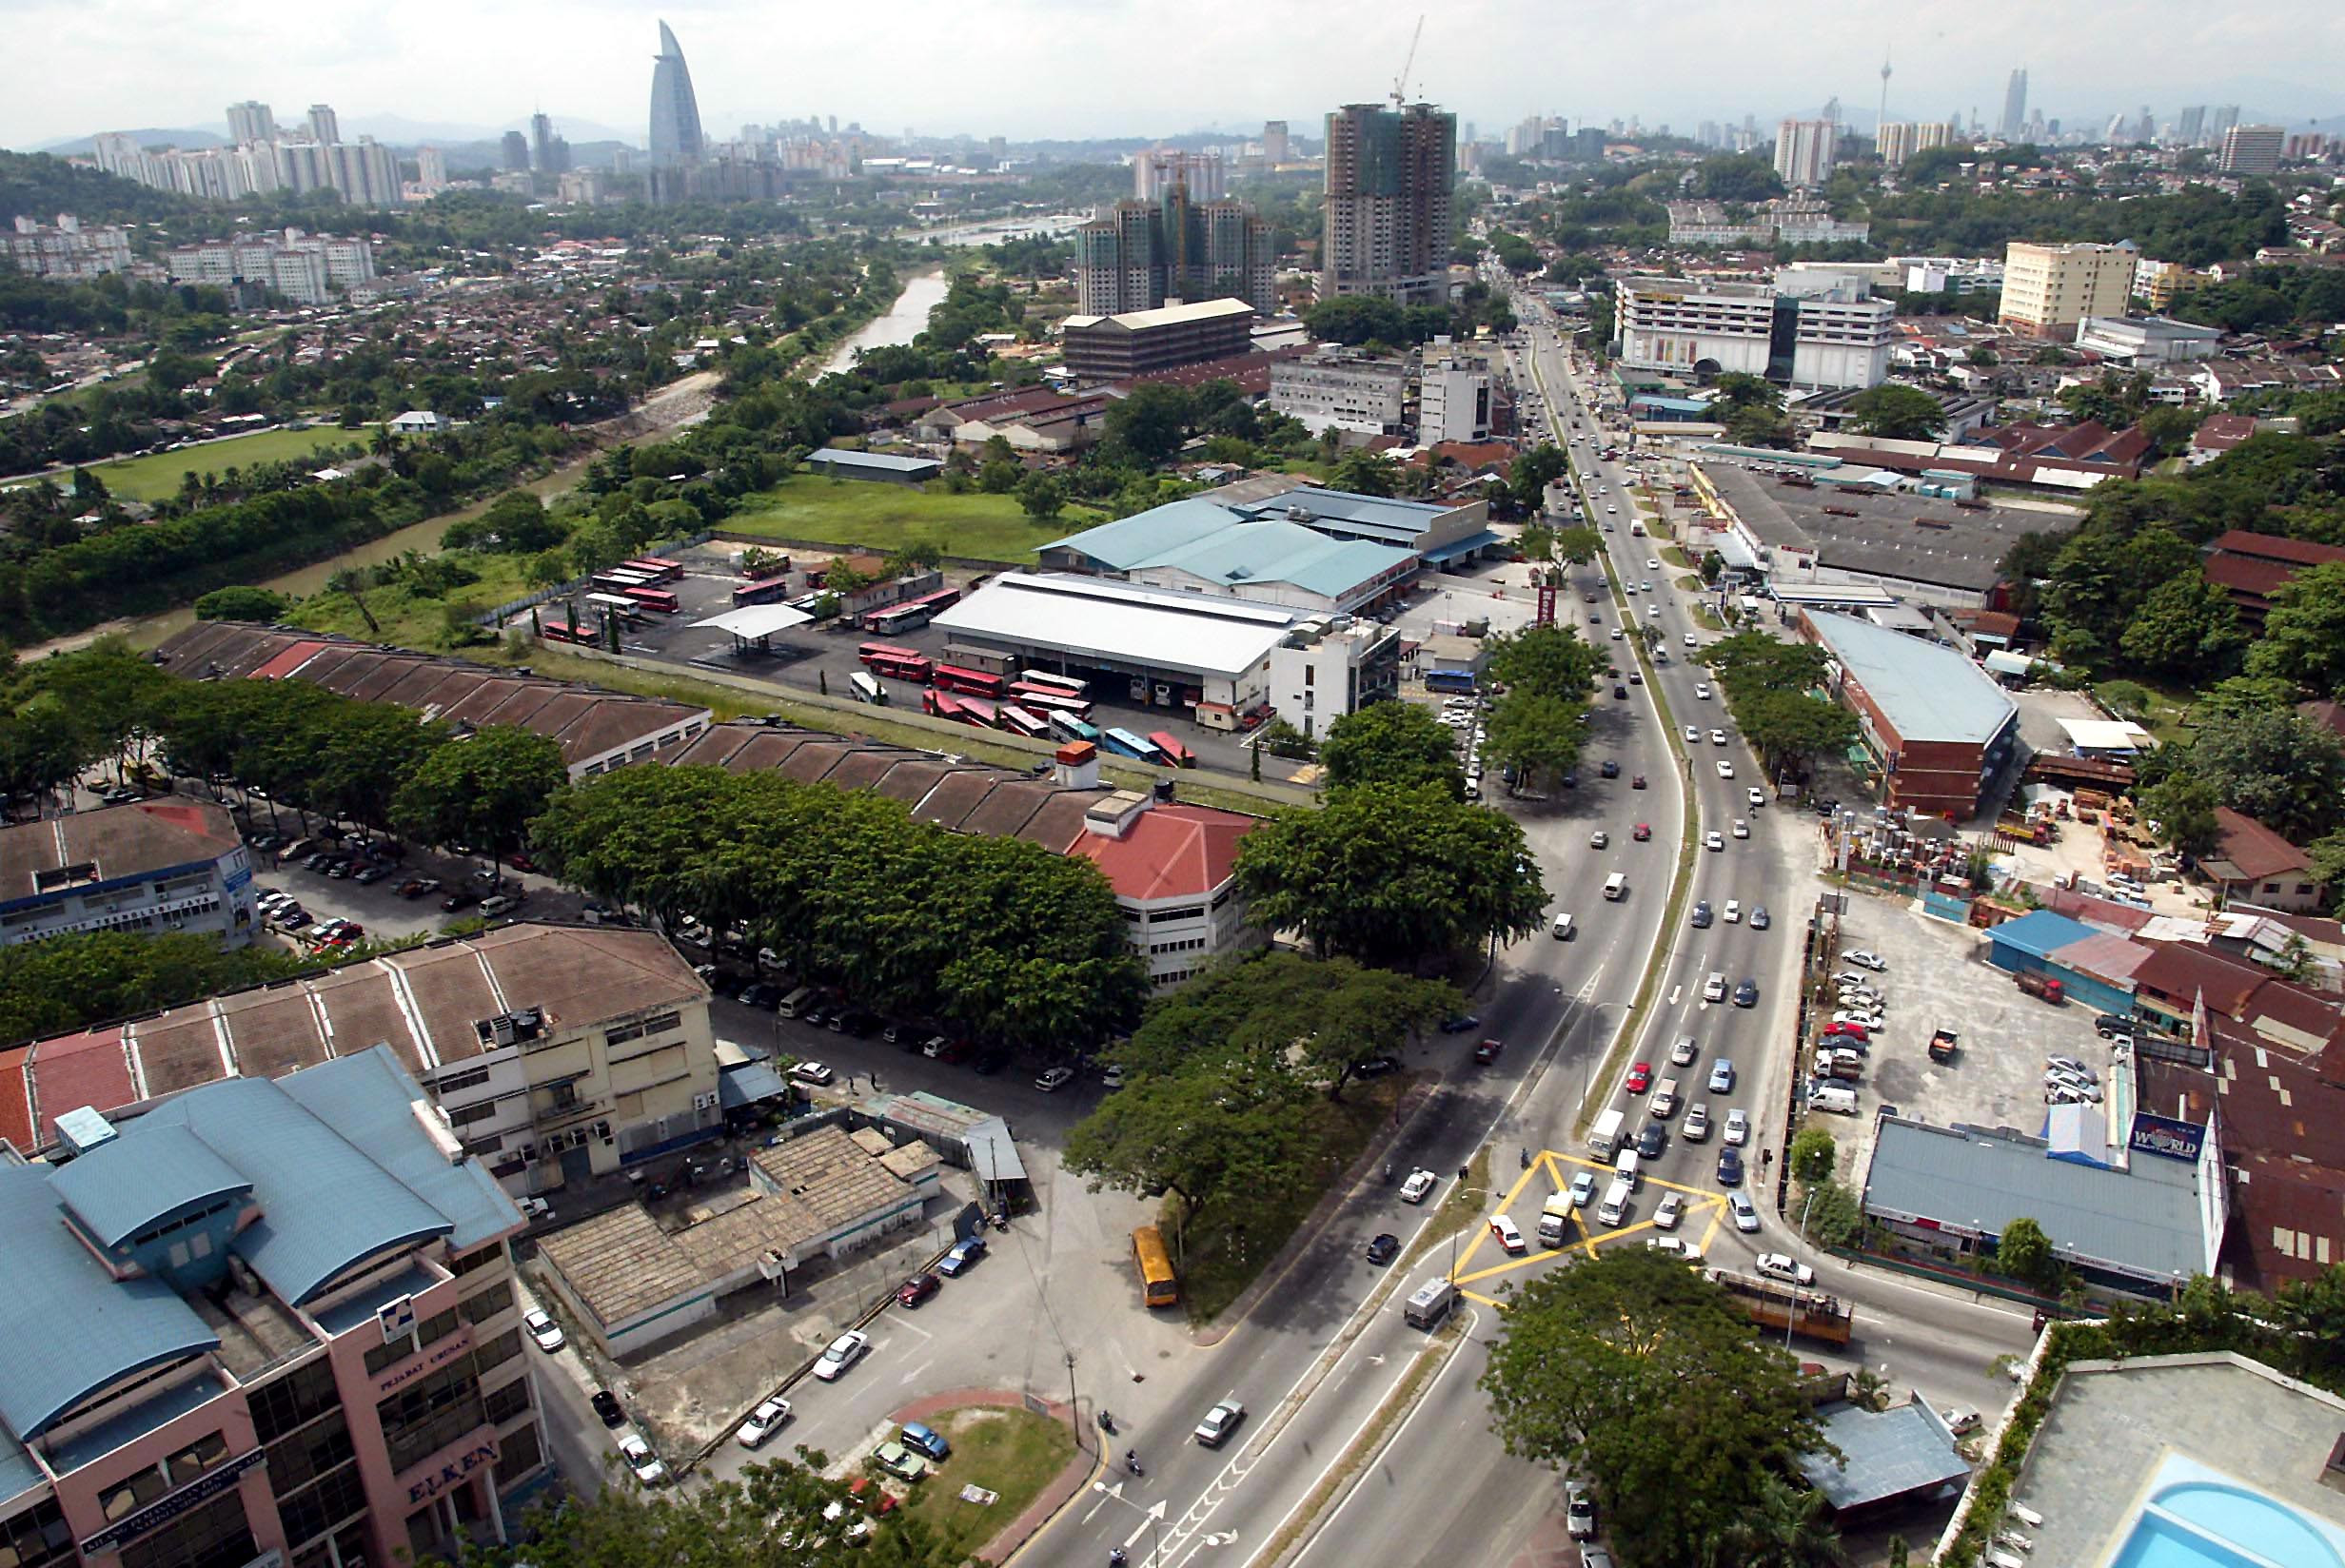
(1036, 704)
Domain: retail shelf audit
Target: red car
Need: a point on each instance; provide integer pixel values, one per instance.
(918, 1289)
(1853, 1031)
(1487, 1051)
(1640, 1077)
(1641, 832)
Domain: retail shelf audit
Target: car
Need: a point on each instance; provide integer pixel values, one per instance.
(1721, 1076)
(1510, 1235)
(505, 903)
(1629, 587)
(1845, 1031)
(1683, 1050)
(1652, 1141)
(766, 1419)
(1759, 919)
(1959, 1421)
(1620, 694)
(955, 1052)
(1648, 585)
(1702, 691)
(1672, 1209)
(1733, 912)
(1652, 566)
(842, 1353)
(1693, 737)
(1055, 1078)
(1599, 840)
(918, 1289)
(1696, 1127)
(643, 1461)
(1741, 829)
(2069, 1064)
(1864, 1018)
(813, 1072)
(1460, 1023)
(961, 1256)
(1218, 1423)
(925, 1441)
(1640, 1077)
(1717, 737)
(542, 1329)
(1701, 915)
(1487, 1051)
(1753, 796)
(338, 868)
(1111, 1076)
(2075, 1084)
(1384, 1248)
(1737, 1127)
(418, 887)
(1692, 641)
(462, 898)
(1713, 841)
(1608, 769)
(2110, 1024)
(1583, 1190)
(1746, 1213)
(1419, 1185)
(1782, 1265)
(370, 874)
(1725, 769)
(899, 1462)
(1865, 960)
(1579, 1511)
(1643, 831)
(1617, 634)
(1671, 1246)
(606, 1405)
(1729, 1167)
(1746, 993)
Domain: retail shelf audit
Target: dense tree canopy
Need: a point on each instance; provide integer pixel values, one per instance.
(1391, 743)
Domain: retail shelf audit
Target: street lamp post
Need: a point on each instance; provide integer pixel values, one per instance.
(1789, 1318)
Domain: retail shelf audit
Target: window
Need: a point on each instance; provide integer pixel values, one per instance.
(504, 1403)
(466, 1115)
(436, 1327)
(430, 1413)
(297, 1460)
(498, 1351)
(323, 1505)
(213, 1535)
(517, 1455)
(36, 1536)
(298, 1397)
(496, 1299)
(478, 1258)
(456, 1082)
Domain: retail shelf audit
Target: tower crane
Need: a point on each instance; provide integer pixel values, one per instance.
(1400, 83)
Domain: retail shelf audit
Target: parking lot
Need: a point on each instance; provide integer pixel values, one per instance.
(1937, 973)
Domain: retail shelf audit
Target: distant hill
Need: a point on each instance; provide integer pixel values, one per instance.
(81, 146)
(43, 185)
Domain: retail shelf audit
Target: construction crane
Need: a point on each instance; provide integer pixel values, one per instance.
(1400, 83)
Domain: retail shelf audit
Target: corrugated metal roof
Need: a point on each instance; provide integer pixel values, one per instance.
(1116, 621)
(885, 463)
(1127, 542)
(2144, 1221)
(1928, 691)
(1886, 1454)
(2039, 933)
(1275, 550)
(120, 1187)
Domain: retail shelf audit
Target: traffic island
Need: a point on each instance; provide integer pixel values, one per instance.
(1013, 1465)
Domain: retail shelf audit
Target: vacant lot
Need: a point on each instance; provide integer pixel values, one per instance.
(886, 517)
(1009, 1452)
(157, 476)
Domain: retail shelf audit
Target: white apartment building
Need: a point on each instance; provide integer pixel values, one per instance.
(1804, 150)
(1454, 402)
(1332, 666)
(67, 250)
(305, 268)
(1949, 274)
(1345, 391)
(2049, 288)
(1842, 335)
(1808, 328)
(153, 867)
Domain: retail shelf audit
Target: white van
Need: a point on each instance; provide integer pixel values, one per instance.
(1714, 989)
(790, 1004)
(1606, 1135)
(1614, 1209)
(1563, 929)
(1625, 1167)
(1837, 1098)
(1616, 886)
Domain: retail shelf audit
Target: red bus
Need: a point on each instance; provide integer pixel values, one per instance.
(1046, 701)
(951, 677)
(981, 713)
(654, 599)
(766, 592)
(934, 701)
(655, 568)
(1174, 753)
(895, 663)
(1024, 724)
(939, 602)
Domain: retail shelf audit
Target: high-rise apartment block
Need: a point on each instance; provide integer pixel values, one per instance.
(67, 250)
(324, 125)
(1808, 328)
(2252, 150)
(251, 121)
(1159, 169)
(1894, 141)
(1804, 150)
(306, 268)
(1387, 226)
(549, 152)
(676, 138)
(2049, 289)
(2190, 125)
(431, 169)
(1276, 146)
(263, 159)
(1138, 255)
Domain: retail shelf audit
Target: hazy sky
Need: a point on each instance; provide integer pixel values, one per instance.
(1083, 68)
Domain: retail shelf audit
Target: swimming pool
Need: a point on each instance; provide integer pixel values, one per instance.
(2207, 1524)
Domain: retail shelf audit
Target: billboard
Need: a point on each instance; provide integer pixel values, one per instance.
(2165, 1137)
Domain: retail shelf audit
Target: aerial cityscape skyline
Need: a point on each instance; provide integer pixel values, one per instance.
(594, 71)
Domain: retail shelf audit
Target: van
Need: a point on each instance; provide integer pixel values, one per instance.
(1605, 1136)
(1616, 886)
(1555, 1220)
(1563, 929)
(796, 1002)
(1837, 1098)
(1714, 989)
(1614, 1209)
(1429, 1303)
(1625, 1167)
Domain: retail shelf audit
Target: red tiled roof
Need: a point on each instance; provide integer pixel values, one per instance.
(77, 1070)
(2221, 432)
(2245, 576)
(1168, 852)
(2252, 850)
(2275, 547)
(2179, 972)
(2329, 715)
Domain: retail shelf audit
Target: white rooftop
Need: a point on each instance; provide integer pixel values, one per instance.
(757, 620)
(1155, 627)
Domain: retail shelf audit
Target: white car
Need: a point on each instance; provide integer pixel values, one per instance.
(1693, 737)
(1598, 839)
(542, 1329)
(1653, 612)
(1782, 1265)
(1629, 587)
(1864, 960)
(764, 1422)
(1717, 737)
(1713, 841)
(1648, 585)
(1725, 769)
(2069, 1064)
(844, 1352)
(812, 1072)
(643, 1461)
(1509, 1236)
(1419, 1186)
(1672, 1209)
(1702, 691)
(1732, 913)
(1692, 641)
(1055, 1078)
(1746, 1213)
(1737, 1128)
(1742, 828)
(1652, 565)
(1669, 1247)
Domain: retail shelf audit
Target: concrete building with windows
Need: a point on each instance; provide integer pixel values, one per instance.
(1144, 255)
(2252, 150)
(1389, 219)
(1174, 868)
(1805, 152)
(263, 1321)
(1940, 730)
(1331, 389)
(1332, 666)
(1807, 329)
(1114, 348)
(2138, 341)
(151, 868)
(1454, 402)
(70, 250)
(2049, 290)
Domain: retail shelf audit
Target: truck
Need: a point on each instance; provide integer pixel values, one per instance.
(1845, 1065)
(1605, 1137)
(1942, 1041)
(1773, 1304)
(2041, 984)
(1555, 1220)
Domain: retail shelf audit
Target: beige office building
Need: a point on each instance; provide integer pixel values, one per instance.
(2048, 290)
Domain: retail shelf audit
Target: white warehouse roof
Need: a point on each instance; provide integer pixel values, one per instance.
(1156, 628)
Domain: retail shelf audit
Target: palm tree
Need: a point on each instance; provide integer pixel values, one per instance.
(1784, 1528)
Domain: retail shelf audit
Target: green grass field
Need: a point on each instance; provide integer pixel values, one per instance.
(156, 476)
(885, 516)
(414, 620)
(1009, 1452)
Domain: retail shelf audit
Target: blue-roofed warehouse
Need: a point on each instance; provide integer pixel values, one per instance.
(1940, 729)
(2091, 964)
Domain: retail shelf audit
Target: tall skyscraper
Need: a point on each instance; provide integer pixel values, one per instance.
(2225, 117)
(675, 112)
(2015, 106)
(1893, 142)
(1389, 219)
(2252, 150)
(516, 151)
(250, 122)
(1804, 151)
(1275, 146)
(548, 153)
(431, 168)
(1137, 255)
(1155, 170)
(325, 129)
(2191, 128)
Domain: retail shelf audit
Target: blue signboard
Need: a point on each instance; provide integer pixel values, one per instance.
(2166, 1137)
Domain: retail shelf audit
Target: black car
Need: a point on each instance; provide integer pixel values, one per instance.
(992, 1062)
(1702, 917)
(1460, 1023)
(815, 1014)
(2112, 1023)
(1375, 1067)
(1653, 1141)
(1383, 1250)
(606, 1405)
(462, 898)
(1620, 694)
(1610, 769)
(1746, 994)
(1729, 1167)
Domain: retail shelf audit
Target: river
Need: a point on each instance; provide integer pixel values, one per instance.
(906, 319)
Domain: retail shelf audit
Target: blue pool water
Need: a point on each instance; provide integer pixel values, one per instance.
(2202, 1524)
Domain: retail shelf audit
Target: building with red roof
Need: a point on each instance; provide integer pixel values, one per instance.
(2253, 567)
(2254, 864)
(1175, 872)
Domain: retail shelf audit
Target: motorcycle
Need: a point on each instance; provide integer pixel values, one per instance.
(1132, 1463)
(1107, 1421)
